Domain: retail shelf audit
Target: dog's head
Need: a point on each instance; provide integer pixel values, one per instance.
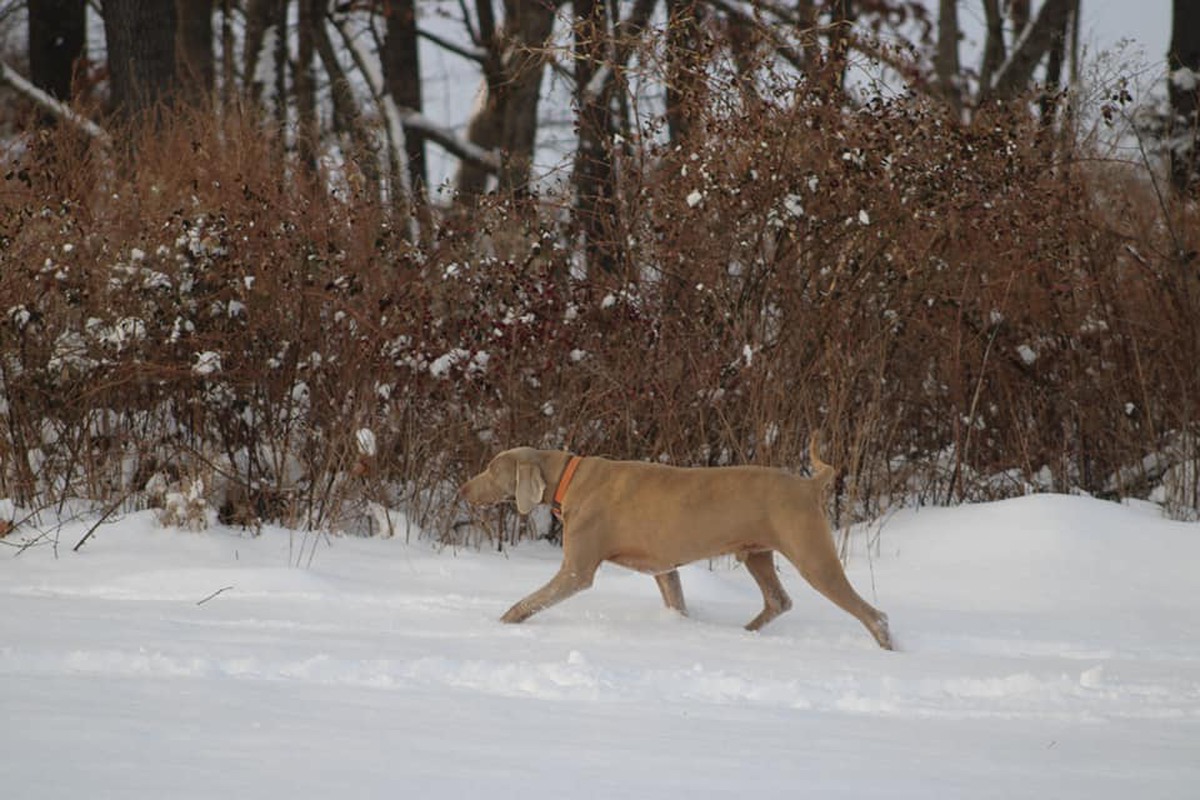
(515, 474)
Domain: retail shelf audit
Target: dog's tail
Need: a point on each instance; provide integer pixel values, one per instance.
(822, 472)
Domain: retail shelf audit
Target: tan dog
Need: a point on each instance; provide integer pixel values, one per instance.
(654, 518)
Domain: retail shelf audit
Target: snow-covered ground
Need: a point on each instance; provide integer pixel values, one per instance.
(1051, 648)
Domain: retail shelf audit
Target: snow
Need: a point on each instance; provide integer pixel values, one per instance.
(207, 363)
(1049, 649)
(366, 442)
(1185, 80)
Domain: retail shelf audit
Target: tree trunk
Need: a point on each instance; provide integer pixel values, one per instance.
(260, 16)
(402, 76)
(347, 118)
(507, 115)
(141, 54)
(194, 46)
(594, 208)
(1048, 102)
(685, 78)
(945, 62)
(56, 41)
(994, 48)
(312, 13)
(281, 66)
(1033, 43)
(1184, 91)
(228, 57)
(844, 16)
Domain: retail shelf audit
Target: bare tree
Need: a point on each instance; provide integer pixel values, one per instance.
(311, 14)
(141, 54)
(261, 16)
(402, 75)
(506, 116)
(946, 65)
(594, 179)
(1035, 40)
(1184, 91)
(194, 47)
(684, 74)
(56, 42)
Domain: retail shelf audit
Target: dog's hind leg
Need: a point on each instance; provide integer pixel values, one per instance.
(824, 573)
(761, 566)
(672, 591)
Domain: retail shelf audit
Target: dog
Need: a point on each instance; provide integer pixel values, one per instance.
(654, 518)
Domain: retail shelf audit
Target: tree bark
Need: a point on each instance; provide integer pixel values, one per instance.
(347, 116)
(260, 16)
(844, 16)
(685, 80)
(194, 46)
(304, 86)
(281, 66)
(1034, 42)
(945, 62)
(228, 57)
(402, 77)
(140, 38)
(56, 41)
(994, 49)
(507, 114)
(1184, 90)
(594, 179)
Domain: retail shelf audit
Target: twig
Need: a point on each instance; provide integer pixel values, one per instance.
(214, 594)
(105, 515)
(477, 54)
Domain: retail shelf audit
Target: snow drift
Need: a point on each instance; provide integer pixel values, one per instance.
(1049, 649)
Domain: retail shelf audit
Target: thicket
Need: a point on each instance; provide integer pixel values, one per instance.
(193, 321)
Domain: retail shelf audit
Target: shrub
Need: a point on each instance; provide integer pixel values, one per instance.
(966, 311)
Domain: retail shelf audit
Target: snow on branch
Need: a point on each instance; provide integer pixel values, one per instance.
(627, 31)
(1016, 72)
(455, 145)
(56, 107)
(398, 117)
(477, 54)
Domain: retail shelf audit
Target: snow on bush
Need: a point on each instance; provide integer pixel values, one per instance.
(887, 276)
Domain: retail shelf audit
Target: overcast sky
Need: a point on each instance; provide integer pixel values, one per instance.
(1105, 24)
(1146, 21)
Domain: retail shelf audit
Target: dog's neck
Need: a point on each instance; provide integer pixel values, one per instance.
(564, 483)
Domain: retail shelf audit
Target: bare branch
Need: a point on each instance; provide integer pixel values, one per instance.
(108, 512)
(406, 117)
(476, 54)
(214, 594)
(450, 142)
(782, 47)
(628, 30)
(57, 108)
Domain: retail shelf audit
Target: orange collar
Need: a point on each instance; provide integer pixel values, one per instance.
(563, 483)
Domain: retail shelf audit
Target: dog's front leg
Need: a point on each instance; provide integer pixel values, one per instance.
(568, 581)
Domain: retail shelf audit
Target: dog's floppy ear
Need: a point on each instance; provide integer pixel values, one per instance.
(530, 486)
